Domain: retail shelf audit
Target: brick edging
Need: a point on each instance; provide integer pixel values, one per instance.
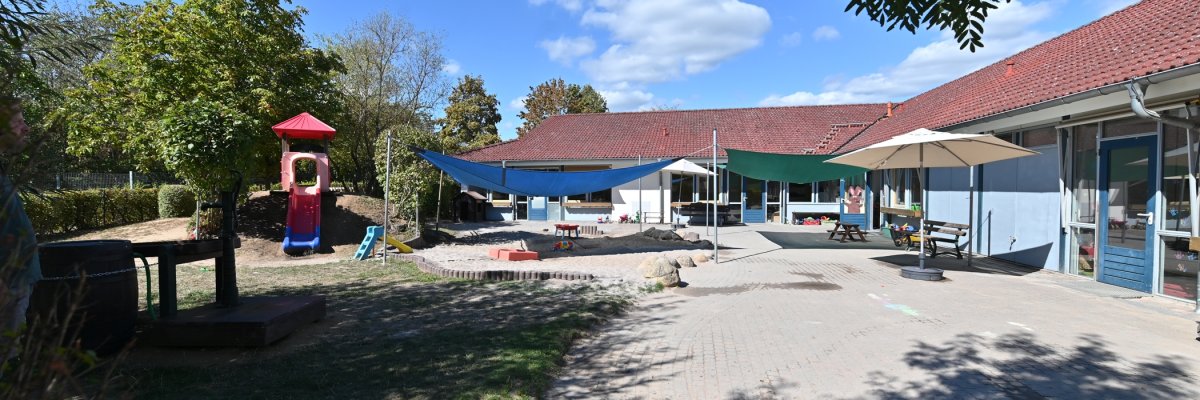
(430, 267)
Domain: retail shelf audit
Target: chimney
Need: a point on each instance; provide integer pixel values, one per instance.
(1010, 65)
(889, 114)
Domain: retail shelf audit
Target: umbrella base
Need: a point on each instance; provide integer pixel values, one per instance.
(921, 274)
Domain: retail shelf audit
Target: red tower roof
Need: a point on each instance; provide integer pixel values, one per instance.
(304, 126)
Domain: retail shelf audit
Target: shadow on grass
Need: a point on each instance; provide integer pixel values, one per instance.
(1020, 366)
(403, 334)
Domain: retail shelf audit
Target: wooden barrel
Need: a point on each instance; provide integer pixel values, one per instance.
(109, 307)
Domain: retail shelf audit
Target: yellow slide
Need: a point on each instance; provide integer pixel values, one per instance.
(397, 244)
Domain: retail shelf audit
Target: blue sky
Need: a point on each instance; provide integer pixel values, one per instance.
(701, 54)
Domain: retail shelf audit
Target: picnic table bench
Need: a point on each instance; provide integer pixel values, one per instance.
(942, 232)
(847, 231)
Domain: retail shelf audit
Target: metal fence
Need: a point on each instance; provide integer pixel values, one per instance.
(106, 180)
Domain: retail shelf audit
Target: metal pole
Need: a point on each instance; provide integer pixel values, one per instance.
(1192, 201)
(387, 190)
(130, 180)
(639, 214)
(970, 215)
(921, 228)
(716, 235)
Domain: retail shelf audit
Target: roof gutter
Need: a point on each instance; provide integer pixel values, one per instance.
(1137, 101)
(1157, 77)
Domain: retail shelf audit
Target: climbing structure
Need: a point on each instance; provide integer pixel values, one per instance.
(303, 232)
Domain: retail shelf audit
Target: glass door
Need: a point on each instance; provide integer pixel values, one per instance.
(754, 212)
(1127, 168)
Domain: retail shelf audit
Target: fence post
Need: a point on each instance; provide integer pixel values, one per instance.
(57, 181)
(130, 180)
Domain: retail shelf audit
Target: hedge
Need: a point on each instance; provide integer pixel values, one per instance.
(61, 212)
(175, 201)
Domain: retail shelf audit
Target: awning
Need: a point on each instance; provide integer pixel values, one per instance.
(536, 183)
(795, 168)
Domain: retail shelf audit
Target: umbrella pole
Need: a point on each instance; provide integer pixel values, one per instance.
(921, 229)
(970, 215)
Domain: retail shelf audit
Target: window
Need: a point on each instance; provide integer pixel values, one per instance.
(703, 187)
(499, 196)
(1174, 177)
(800, 192)
(827, 191)
(1083, 174)
(602, 196)
(735, 187)
(773, 191)
(905, 187)
(682, 187)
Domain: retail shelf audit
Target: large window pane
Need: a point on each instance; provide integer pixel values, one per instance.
(1175, 172)
(1083, 252)
(915, 193)
(754, 194)
(682, 187)
(773, 191)
(827, 191)
(735, 187)
(703, 187)
(800, 192)
(1083, 173)
(1179, 266)
(898, 183)
(603, 196)
(1129, 126)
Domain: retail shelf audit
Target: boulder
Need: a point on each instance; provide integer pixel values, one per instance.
(691, 236)
(646, 267)
(685, 262)
(674, 263)
(669, 280)
(700, 258)
(660, 267)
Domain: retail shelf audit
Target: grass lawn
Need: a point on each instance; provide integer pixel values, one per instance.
(391, 332)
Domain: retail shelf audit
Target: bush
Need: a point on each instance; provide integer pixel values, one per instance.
(175, 201)
(61, 212)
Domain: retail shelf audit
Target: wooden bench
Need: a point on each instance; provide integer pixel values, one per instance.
(944, 232)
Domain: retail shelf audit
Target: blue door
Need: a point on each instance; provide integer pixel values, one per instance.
(537, 209)
(853, 207)
(756, 197)
(1126, 223)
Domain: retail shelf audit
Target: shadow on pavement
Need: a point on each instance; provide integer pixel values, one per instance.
(968, 366)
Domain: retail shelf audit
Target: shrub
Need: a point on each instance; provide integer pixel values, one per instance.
(175, 201)
(61, 212)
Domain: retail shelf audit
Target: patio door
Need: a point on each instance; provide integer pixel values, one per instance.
(755, 197)
(537, 209)
(853, 207)
(1127, 168)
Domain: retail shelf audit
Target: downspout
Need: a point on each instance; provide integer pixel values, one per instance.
(1137, 98)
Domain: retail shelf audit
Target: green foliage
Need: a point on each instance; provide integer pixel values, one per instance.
(63, 212)
(393, 78)
(556, 97)
(413, 181)
(471, 117)
(963, 17)
(194, 87)
(175, 201)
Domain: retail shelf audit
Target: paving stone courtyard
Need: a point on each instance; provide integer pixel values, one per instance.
(790, 314)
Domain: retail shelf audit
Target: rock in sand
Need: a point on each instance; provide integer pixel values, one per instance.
(700, 258)
(685, 262)
(670, 280)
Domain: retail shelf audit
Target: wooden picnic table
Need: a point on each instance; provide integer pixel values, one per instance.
(847, 231)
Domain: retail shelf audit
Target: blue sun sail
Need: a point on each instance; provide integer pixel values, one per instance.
(536, 183)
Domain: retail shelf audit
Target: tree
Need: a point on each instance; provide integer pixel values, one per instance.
(413, 182)
(194, 87)
(963, 17)
(471, 117)
(393, 78)
(555, 97)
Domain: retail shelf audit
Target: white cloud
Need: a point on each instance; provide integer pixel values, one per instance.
(623, 97)
(826, 32)
(792, 39)
(517, 103)
(451, 67)
(569, 5)
(662, 40)
(1007, 31)
(564, 50)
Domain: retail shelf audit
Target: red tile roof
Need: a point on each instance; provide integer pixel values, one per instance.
(654, 134)
(1149, 37)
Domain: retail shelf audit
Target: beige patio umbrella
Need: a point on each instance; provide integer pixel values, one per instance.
(924, 148)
